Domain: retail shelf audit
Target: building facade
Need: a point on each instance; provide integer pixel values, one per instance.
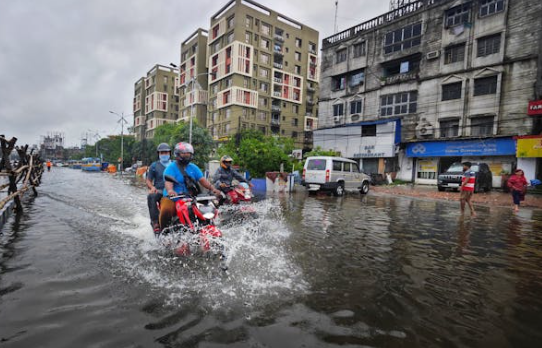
(263, 73)
(156, 100)
(193, 78)
(459, 75)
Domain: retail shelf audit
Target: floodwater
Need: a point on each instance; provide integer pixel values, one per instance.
(81, 268)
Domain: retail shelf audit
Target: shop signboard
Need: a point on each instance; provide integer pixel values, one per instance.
(460, 148)
(535, 108)
(529, 146)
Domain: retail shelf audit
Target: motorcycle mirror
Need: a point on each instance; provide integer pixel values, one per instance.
(170, 179)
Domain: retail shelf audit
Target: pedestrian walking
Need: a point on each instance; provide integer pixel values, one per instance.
(518, 186)
(467, 188)
(49, 166)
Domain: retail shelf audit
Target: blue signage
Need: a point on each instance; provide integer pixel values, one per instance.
(461, 148)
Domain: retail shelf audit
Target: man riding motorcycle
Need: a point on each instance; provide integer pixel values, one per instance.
(155, 183)
(187, 175)
(225, 174)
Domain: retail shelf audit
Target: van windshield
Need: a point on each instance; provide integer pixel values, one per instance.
(316, 164)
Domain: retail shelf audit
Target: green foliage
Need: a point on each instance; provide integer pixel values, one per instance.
(110, 149)
(318, 151)
(172, 134)
(258, 153)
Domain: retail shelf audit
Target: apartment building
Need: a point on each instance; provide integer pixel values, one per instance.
(263, 73)
(434, 82)
(156, 100)
(193, 78)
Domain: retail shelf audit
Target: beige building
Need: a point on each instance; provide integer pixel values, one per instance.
(263, 73)
(193, 78)
(156, 100)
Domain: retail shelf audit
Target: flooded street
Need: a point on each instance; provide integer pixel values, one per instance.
(81, 268)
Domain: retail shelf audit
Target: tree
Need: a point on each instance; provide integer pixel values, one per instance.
(174, 133)
(318, 151)
(258, 153)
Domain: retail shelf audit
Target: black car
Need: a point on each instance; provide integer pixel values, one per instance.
(452, 177)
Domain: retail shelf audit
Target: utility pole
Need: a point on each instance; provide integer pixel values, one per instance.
(122, 120)
(336, 27)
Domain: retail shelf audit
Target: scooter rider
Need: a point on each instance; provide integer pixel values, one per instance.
(155, 183)
(225, 174)
(187, 176)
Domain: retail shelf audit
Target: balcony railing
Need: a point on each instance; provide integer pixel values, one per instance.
(311, 89)
(401, 77)
(279, 38)
(278, 52)
(310, 101)
(275, 108)
(277, 65)
(275, 122)
(277, 80)
(277, 94)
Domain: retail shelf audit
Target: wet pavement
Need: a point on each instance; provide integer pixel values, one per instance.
(496, 197)
(82, 269)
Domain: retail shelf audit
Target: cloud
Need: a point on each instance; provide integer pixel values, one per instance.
(64, 64)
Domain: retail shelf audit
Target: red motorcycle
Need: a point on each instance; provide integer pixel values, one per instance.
(238, 197)
(237, 193)
(192, 229)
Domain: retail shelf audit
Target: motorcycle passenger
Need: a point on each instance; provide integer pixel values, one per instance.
(187, 175)
(155, 183)
(225, 174)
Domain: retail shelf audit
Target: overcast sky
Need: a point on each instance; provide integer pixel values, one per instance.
(65, 63)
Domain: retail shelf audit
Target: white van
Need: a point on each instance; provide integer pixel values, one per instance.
(334, 174)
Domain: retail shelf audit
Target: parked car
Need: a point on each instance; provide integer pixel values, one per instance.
(452, 177)
(335, 174)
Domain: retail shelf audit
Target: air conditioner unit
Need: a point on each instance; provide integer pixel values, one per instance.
(424, 129)
(337, 119)
(433, 55)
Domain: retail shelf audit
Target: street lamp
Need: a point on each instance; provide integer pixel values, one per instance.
(194, 81)
(121, 121)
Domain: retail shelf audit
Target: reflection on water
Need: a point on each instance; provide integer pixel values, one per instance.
(309, 271)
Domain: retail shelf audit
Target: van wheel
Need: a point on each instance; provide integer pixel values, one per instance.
(440, 188)
(364, 188)
(339, 191)
(487, 188)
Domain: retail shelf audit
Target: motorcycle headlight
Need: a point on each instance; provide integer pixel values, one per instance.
(209, 215)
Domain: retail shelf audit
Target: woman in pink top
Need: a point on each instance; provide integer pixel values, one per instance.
(517, 185)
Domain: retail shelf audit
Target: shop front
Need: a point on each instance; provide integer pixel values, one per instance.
(529, 154)
(431, 158)
(372, 144)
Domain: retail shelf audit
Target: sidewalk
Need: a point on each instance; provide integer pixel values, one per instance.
(494, 197)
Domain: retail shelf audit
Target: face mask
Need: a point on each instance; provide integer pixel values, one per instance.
(164, 159)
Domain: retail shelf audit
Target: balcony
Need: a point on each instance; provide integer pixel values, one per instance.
(277, 65)
(401, 77)
(313, 64)
(310, 101)
(275, 108)
(277, 80)
(311, 89)
(311, 51)
(279, 38)
(277, 94)
(275, 122)
(278, 52)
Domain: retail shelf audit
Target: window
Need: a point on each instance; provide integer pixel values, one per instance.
(481, 126)
(294, 135)
(230, 38)
(295, 109)
(368, 131)
(247, 37)
(265, 58)
(264, 87)
(231, 22)
(449, 128)
(402, 66)
(452, 91)
(264, 44)
(489, 45)
(404, 38)
(398, 104)
(263, 102)
(264, 72)
(312, 47)
(458, 15)
(355, 107)
(248, 22)
(297, 69)
(488, 7)
(338, 83)
(454, 54)
(338, 109)
(485, 85)
(298, 42)
(295, 122)
(358, 50)
(340, 56)
(298, 56)
(265, 29)
(356, 79)
(337, 166)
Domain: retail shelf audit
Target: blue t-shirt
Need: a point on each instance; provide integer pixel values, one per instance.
(173, 170)
(156, 175)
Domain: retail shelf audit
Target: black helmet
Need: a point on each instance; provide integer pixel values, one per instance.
(163, 147)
